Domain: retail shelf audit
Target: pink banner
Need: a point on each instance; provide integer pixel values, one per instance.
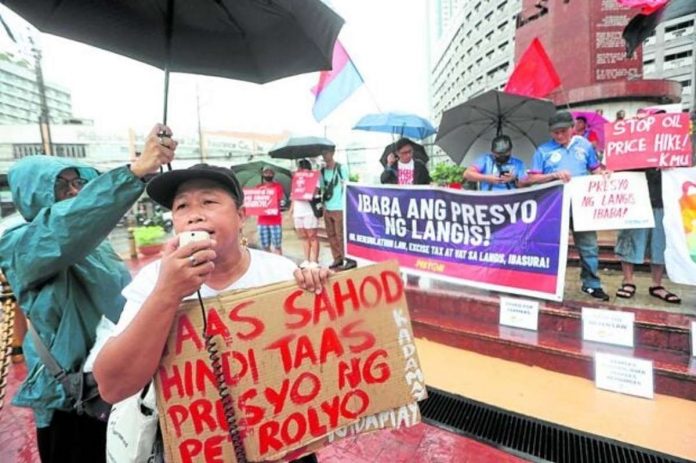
(261, 201)
(304, 182)
(658, 140)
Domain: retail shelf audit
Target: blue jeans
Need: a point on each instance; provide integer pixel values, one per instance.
(586, 244)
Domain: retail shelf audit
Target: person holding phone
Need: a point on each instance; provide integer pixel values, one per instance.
(498, 170)
(66, 277)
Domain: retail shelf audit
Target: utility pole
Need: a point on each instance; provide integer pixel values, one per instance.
(200, 130)
(44, 120)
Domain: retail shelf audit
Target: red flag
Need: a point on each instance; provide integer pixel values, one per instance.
(534, 74)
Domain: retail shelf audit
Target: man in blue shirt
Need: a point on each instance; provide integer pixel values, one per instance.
(564, 157)
(498, 170)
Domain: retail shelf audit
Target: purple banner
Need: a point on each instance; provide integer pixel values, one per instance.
(513, 241)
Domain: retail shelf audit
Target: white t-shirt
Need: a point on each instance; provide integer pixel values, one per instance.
(301, 209)
(405, 171)
(264, 268)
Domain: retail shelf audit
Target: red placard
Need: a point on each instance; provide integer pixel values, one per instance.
(659, 140)
(304, 182)
(261, 201)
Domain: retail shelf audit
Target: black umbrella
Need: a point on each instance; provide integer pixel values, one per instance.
(301, 147)
(418, 152)
(250, 40)
(471, 126)
(249, 175)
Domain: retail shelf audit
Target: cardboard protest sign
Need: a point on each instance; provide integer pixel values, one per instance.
(304, 182)
(619, 202)
(513, 241)
(261, 201)
(302, 369)
(658, 140)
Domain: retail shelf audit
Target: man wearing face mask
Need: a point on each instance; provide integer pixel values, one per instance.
(270, 227)
(498, 170)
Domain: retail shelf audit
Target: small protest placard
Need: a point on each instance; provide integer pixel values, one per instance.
(607, 326)
(519, 313)
(693, 339)
(658, 140)
(261, 201)
(614, 203)
(302, 369)
(627, 375)
(304, 182)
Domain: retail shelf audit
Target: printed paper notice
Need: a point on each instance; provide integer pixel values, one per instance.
(519, 313)
(627, 375)
(607, 326)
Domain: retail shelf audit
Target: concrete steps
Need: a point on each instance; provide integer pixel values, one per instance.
(470, 321)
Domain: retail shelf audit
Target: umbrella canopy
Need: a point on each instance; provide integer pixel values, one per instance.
(471, 126)
(249, 175)
(300, 147)
(595, 122)
(418, 152)
(401, 124)
(254, 41)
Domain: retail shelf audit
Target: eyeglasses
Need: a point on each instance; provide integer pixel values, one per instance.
(63, 186)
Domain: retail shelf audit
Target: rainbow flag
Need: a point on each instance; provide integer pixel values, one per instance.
(336, 85)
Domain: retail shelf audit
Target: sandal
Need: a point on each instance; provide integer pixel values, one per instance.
(667, 296)
(626, 291)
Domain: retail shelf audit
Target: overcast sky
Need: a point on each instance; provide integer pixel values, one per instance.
(387, 40)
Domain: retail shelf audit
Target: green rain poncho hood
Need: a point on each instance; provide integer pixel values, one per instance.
(63, 272)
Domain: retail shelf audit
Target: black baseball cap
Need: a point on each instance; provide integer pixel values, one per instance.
(163, 187)
(561, 120)
(501, 144)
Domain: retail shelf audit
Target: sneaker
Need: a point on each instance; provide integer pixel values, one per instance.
(336, 264)
(304, 264)
(349, 264)
(597, 293)
(311, 264)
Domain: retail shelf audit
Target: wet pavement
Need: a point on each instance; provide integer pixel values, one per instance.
(419, 444)
(422, 443)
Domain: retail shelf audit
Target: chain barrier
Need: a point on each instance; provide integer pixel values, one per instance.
(6, 330)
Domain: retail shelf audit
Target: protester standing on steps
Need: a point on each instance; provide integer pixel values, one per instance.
(632, 244)
(563, 157)
(66, 276)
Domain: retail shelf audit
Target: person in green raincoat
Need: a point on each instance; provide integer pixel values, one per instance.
(66, 276)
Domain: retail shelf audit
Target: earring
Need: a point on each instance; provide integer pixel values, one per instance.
(243, 241)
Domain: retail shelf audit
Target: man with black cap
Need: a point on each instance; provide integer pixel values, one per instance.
(498, 170)
(565, 156)
(202, 198)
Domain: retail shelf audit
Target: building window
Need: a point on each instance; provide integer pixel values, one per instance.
(26, 149)
(681, 25)
(676, 56)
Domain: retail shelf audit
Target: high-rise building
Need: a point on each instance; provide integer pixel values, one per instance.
(670, 52)
(19, 95)
(474, 50)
